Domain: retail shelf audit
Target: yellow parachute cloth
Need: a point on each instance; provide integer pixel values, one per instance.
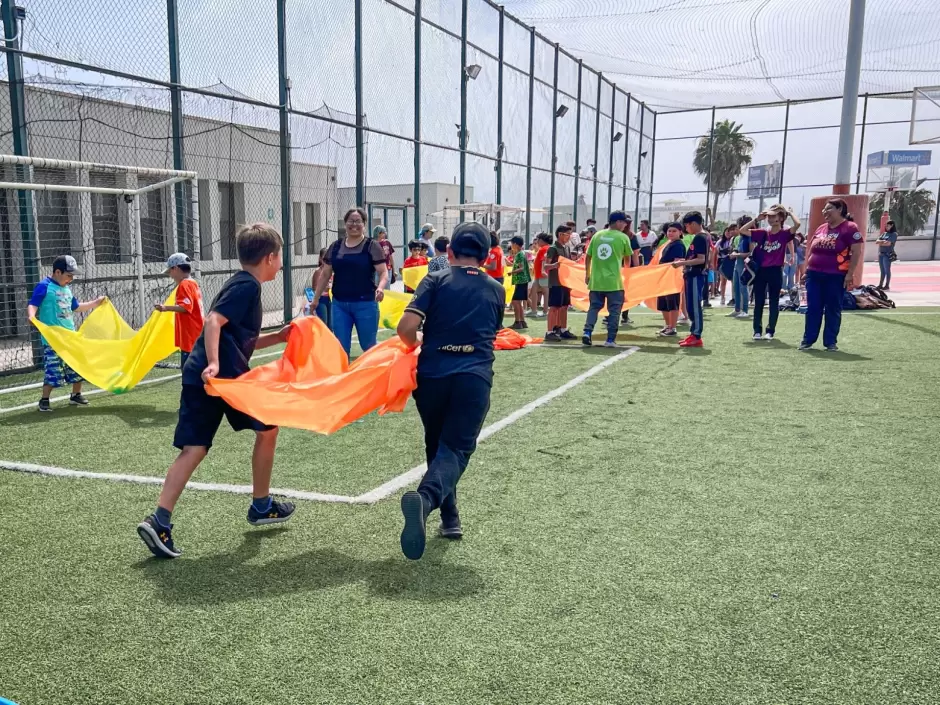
(391, 308)
(412, 276)
(109, 353)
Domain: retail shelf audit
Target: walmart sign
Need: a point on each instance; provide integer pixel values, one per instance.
(900, 157)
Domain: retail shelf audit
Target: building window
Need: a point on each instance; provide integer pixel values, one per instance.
(227, 222)
(105, 219)
(52, 216)
(313, 229)
(152, 224)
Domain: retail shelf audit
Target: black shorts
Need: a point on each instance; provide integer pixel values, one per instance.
(559, 297)
(669, 302)
(521, 292)
(200, 416)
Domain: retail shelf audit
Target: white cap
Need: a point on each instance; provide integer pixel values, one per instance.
(428, 228)
(176, 259)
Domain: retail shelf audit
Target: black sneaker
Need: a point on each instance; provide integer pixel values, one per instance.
(832, 348)
(805, 346)
(277, 514)
(414, 534)
(453, 532)
(567, 335)
(44, 405)
(157, 538)
(586, 340)
(78, 400)
(552, 337)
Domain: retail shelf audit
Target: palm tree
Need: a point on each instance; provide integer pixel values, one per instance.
(728, 152)
(910, 210)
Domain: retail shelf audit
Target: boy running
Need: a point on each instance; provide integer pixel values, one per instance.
(695, 265)
(188, 307)
(521, 276)
(52, 303)
(455, 374)
(605, 256)
(559, 297)
(231, 334)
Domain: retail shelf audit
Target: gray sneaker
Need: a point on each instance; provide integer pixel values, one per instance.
(832, 348)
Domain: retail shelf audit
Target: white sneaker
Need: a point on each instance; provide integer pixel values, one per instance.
(758, 336)
(734, 314)
(743, 315)
(539, 314)
(768, 336)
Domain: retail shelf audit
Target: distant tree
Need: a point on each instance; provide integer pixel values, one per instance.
(730, 155)
(719, 226)
(910, 210)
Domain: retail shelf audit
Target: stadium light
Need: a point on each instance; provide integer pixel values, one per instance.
(562, 111)
(618, 137)
(472, 71)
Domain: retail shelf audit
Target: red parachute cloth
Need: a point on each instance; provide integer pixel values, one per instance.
(508, 339)
(313, 387)
(640, 283)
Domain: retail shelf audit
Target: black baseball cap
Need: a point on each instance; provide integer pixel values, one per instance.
(619, 215)
(470, 240)
(65, 263)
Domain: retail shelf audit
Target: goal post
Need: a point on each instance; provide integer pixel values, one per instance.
(39, 174)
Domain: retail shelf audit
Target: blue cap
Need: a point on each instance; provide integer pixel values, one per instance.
(470, 240)
(618, 216)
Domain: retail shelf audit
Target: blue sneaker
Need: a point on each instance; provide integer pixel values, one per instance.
(158, 538)
(277, 514)
(414, 534)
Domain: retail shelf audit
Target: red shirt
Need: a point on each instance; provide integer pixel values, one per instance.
(415, 262)
(496, 255)
(189, 324)
(539, 261)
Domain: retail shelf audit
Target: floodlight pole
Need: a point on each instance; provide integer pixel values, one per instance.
(499, 118)
(853, 68)
(417, 125)
(284, 158)
(577, 144)
(528, 161)
(861, 145)
(649, 215)
(360, 122)
(626, 153)
(610, 158)
(597, 137)
(551, 207)
(464, 77)
(639, 163)
(176, 120)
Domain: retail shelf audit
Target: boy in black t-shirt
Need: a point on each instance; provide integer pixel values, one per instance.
(230, 335)
(695, 272)
(455, 374)
(559, 297)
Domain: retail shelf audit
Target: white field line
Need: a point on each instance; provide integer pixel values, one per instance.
(370, 497)
(406, 478)
(144, 480)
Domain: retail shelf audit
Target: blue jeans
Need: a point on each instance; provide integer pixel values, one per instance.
(823, 295)
(884, 263)
(694, 287)
(325, 311)
(364, 315)
(614, 301)
(738, 288)
(789, 276)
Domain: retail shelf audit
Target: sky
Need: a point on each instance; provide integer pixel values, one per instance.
(668, 53)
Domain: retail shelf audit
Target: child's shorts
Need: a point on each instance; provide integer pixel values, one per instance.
(58, 373)
(669, 302)
(521, 292)
(200, 416)
(542, 282)
(559, 297)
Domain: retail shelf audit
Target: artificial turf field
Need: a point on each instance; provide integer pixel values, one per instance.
(742, 524)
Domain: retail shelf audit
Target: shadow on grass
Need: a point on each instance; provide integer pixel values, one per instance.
(903, 324)
(767, 344)
(838, 356)
(239, 576)
(134, 415)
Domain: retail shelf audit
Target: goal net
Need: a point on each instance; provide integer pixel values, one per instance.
(505, 220)
(925, 116)
(120, 223)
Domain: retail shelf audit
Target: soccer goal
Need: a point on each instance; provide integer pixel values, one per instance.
(505, 220)
(119, 222)
(925, 116)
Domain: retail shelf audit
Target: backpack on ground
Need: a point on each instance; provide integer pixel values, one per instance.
(871, 298)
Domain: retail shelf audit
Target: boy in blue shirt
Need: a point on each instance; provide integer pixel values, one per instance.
(232, 332)
(52, 303)
(455, 374)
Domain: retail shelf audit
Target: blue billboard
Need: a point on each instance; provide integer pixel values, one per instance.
(763, 180)
(909, 157)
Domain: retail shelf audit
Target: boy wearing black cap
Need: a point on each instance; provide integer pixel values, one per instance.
(455, 374)
(695, 264)
(52, 303)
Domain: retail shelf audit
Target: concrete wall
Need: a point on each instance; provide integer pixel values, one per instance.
(909, 249)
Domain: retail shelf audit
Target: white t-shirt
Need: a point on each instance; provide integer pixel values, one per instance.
(647, 240)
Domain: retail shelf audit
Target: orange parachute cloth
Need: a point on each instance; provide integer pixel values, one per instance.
(313, 387)
(651, 303)
(508, 339)
(639, 283)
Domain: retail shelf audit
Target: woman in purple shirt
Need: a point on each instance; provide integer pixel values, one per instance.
(769, 249)
(832, 255)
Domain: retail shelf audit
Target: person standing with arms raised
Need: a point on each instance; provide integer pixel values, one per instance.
(605, 256)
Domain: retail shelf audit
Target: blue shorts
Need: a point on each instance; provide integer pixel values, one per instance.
(58, 373)
(201, 415)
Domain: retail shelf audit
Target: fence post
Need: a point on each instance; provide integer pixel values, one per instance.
(783, 156)
(11, 23)
(284, 141)
(528, 162)
(577, 145)
(551, 207)
(499, 119)
(626, 153)
(708, 176)
(463, 106)
(861, 145)
(360, 133)
(610, 159)
(176, 119)
(639, 163)
(936, 223)
(597, 137)
(417, 196)
(649, 215)
(139, 259)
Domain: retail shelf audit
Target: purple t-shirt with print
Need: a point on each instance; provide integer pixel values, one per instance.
(774, 245)
(830, 249)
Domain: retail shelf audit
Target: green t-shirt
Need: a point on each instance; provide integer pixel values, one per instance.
(607, 251)
(687, 240)
(525, 276)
